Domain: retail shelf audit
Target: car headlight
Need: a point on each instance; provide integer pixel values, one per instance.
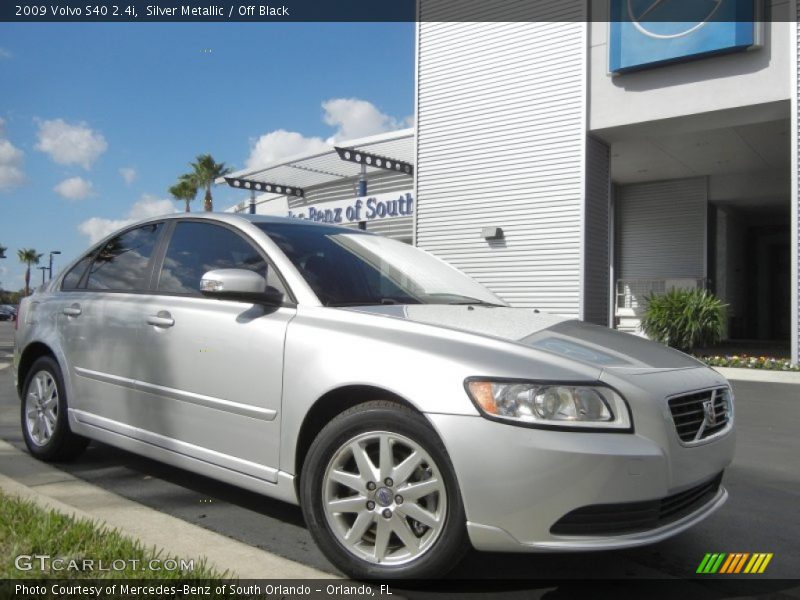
(551, 405)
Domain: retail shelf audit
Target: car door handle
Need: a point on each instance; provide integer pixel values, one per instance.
(72, 311)
(162, 319)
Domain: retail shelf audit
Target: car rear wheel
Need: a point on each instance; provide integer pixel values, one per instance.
(380, 496)
(45, 425)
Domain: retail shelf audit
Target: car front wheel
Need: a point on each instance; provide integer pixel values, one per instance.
(380, 496)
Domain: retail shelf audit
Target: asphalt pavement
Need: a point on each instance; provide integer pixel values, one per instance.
(761, 514)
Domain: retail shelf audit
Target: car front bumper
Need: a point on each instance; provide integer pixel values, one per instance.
(517, 483)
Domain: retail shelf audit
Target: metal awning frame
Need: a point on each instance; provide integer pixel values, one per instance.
(305, 171)
(263, 186)
(360, 157)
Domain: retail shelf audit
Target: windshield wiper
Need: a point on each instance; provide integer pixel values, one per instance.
(459, 299)
(475, 302)
(374, 302)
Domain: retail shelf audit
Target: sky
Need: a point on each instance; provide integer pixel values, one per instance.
(98, 120)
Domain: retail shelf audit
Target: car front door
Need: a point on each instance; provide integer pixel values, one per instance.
(210, 371)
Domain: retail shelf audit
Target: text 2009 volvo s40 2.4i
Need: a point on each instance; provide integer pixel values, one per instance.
(407, 409)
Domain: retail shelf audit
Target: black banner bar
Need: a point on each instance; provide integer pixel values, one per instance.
(269, 11)
(700, 588)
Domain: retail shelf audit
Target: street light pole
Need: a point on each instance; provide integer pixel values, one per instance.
(42, 269)
(50, 268)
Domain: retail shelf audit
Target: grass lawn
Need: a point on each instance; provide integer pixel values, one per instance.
(26, 529)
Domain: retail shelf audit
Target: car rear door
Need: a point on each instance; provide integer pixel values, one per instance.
(211, 371)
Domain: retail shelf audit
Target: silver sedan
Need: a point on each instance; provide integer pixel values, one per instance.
(406, 408)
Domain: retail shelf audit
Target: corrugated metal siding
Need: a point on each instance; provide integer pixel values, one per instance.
(596, 247)
(796, 200)
(497, 10)
(661, 229)
(401, 228)
(377, 183)
(500, 142)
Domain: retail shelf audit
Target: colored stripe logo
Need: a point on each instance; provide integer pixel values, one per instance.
(734, 563)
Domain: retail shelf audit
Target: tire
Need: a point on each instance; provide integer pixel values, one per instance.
(371, 531)
(45, 423)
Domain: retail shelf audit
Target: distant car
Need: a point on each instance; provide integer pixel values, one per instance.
(406, 408)
(7, 312)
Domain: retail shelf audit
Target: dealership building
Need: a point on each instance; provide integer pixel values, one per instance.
(577, 163)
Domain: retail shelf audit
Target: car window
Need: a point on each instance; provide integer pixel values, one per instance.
(196, 248)
(122, 264)
(73, 278)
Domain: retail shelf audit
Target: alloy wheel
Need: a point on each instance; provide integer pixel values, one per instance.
(384, 498)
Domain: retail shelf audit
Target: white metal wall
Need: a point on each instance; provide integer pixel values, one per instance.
(795, 218)
(401, 228)
(597, 228)
(661, 229)
(501, 134)
(377, 183)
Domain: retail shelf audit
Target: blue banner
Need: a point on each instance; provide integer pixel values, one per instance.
(648, 33)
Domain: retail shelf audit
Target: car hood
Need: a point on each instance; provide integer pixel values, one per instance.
(561, 336)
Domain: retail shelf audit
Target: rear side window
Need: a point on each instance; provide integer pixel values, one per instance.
(72, 279)
(123, 263)
(196, 248)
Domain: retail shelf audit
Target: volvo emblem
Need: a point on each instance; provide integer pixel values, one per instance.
(384, 496)
(710, 413)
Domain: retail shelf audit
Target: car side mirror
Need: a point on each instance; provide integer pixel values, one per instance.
(241, 285)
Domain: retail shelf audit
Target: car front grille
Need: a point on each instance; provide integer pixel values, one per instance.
(631, 517)
(700, 415)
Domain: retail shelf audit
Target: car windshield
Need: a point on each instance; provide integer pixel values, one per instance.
(353, 268)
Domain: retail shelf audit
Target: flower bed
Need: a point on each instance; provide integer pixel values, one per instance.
(751, 362)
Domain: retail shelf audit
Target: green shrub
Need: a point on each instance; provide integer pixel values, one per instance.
(684, 319)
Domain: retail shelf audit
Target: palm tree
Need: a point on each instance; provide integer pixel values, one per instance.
(29, 256)
(204, 172)
(185, 190)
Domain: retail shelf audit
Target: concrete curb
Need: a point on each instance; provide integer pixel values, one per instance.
(51, 488)
(759, 375)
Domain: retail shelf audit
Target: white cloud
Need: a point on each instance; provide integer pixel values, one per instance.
(128, 174)
(11, 174)
(5, 53)
(97, 228)
(352, 118)
(74, 188)
(151, 206)
(70, 144)
(279, 144)
(2, 126)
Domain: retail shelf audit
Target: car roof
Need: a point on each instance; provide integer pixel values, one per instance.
(224, 217)
(234, 218)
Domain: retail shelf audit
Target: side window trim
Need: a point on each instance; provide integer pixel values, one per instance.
(148, 269)
(161, 252)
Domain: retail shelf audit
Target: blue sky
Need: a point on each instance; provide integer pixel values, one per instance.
(98, 120)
